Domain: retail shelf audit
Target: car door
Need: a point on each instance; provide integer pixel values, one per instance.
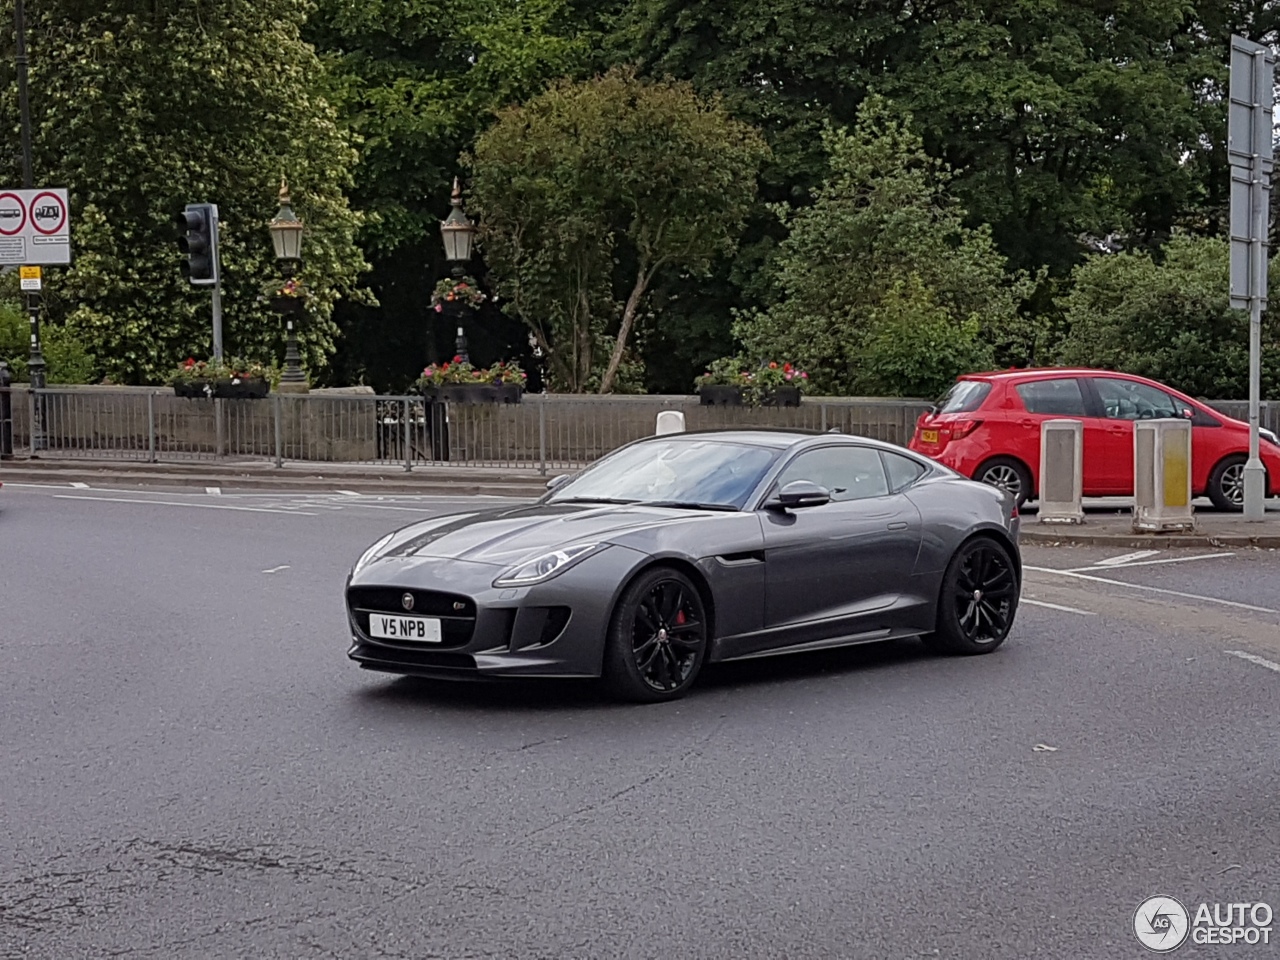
(845, 559)
(1055, 398)
(1121, 402)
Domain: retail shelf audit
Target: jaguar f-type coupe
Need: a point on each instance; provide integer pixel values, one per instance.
(688, 548)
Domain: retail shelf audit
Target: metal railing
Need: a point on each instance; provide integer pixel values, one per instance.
(543, 432)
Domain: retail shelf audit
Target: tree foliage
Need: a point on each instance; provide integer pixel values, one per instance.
(883, 254)
(139, 109)
(1169, 318)
(589, 191)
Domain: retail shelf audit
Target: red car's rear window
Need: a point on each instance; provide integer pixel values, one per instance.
(965, 397)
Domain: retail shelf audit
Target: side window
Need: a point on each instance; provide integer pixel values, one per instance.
(850, 473)
(1126, 400)
(903, 471)
(1058, 398)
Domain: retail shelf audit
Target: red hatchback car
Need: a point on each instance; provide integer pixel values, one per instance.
(988, 427)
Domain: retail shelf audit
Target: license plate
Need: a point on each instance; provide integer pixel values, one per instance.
(928, 436)
(388, 627)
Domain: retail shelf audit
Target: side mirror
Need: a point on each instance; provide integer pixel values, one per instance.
(558, 481)
(801, 493)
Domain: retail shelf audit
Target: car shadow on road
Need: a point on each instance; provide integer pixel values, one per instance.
(554, 695)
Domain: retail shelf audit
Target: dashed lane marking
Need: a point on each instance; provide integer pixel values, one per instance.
(1127, 558)
(1140, 586)
(1254, 658)
(1058, 606)
(1149, 563)
(196, 506)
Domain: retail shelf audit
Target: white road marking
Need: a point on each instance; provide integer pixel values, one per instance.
(1139, 586)
(1127, 558)
(80, 486)
(171, 503)
(1254, 658)
(1148, 563)
(348, 493)
(277, 569)
(213, 491)
(1058, 606)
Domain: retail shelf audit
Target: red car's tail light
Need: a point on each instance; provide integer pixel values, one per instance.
(960, 429)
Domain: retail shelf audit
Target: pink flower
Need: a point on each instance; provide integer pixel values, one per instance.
(805, 375)
(439, 308)
(789, 374)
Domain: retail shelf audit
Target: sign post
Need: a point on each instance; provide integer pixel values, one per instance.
(1249, 149)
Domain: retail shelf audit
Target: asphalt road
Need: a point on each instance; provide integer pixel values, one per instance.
(191, 767)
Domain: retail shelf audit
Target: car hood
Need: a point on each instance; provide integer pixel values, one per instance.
(503, 537)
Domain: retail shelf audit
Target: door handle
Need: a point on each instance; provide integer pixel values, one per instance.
(899, 525)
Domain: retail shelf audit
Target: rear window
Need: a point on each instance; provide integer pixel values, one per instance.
(965, 397)
(1060, 397)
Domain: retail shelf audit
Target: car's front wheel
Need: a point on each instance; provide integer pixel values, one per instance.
(978, 600)
(657, 638)
(1009, 475)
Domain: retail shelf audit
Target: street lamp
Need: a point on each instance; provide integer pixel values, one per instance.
(457, 232)
(286, 237)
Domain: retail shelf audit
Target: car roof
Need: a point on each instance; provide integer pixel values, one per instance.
(1032, 373)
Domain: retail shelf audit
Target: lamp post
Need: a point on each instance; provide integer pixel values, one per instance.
(457, 232)
(286, 237)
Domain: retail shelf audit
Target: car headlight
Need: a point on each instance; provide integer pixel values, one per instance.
(547, 565)
(366, 558)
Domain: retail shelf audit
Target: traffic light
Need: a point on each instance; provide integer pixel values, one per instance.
(199, 243)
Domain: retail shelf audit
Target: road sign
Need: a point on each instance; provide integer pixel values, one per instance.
(1249, 135)
(30, 277)
(1249, 151)
(35, 227)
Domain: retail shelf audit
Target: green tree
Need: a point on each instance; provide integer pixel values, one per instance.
(883, 248)
(65, 356)
(141, 108)
(590, 190)
(1167, 316)
(417, 81)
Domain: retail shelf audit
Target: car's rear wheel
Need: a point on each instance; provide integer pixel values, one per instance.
(1008, 474)
(1226, 483)
(978, 601)
(657, 638)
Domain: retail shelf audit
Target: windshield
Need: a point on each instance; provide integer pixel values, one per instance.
(684, 471)
(965, 397)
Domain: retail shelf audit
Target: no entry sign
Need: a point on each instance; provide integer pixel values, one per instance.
(35, 227)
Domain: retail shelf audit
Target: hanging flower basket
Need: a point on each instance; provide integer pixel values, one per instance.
(720, 395)
(464, 291)
(459, 382)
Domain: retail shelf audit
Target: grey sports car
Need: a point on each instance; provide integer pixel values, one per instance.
(692, 547)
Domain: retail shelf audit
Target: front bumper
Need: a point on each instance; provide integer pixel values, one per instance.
(552, 629)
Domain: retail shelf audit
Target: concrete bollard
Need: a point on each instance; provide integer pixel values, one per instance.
(1162, 475)
(670, 421)
(1061, 471)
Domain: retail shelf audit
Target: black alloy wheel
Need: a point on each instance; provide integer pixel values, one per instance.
(979, 599)
(658, 637)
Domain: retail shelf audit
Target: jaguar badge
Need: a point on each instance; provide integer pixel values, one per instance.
(406, 601)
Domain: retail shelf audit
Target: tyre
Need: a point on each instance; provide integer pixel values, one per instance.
(1226, 483)
(978, 601)
(1007, 474)
(657, 638)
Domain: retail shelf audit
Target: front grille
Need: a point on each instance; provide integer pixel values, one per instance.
(456, 613)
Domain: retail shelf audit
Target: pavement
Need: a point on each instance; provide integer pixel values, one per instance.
(191, 767)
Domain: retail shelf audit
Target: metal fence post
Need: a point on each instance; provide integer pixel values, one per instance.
(151, 427)
(824, 418)
(408, 449)
(542, 435)
(31, 420)
(6, 413)
(279, 427)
